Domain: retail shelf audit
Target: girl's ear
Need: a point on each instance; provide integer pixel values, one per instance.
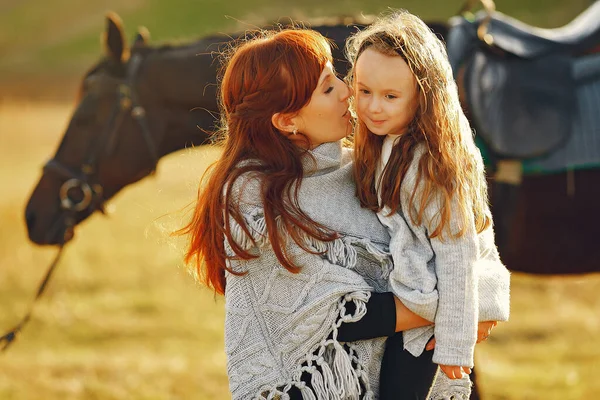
(284, 122)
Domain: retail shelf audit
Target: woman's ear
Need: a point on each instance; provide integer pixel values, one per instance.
(284, 122)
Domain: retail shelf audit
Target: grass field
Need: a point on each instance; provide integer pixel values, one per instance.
(122, 319)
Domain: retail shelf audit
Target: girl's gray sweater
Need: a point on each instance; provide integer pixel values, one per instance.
(454, 282)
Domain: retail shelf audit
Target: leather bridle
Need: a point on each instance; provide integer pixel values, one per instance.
(85, 179)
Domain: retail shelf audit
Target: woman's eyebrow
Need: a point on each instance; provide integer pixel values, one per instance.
(325, 79)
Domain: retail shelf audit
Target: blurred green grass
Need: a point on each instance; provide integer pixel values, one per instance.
(48, 45)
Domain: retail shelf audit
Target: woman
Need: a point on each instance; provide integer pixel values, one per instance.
(278, 230)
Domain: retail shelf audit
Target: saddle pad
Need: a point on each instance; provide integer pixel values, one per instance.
(522, 108)
(582, 149)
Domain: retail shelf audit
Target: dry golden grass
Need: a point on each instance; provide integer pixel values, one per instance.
(122, 319)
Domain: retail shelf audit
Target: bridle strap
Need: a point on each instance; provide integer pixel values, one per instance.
(9, 338)
(137, 111)
(93, 192)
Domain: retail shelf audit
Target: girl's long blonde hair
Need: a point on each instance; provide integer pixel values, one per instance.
(451, 169)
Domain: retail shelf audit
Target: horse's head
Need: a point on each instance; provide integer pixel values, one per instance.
(115, 137)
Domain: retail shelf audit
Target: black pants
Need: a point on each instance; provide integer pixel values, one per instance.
(404, 376)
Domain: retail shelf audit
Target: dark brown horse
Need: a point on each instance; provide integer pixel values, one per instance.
(139, 104)
(142, 103)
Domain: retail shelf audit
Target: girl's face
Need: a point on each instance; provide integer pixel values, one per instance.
(386, 93)
(326, 117)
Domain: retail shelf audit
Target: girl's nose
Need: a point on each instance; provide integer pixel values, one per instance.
(374, 105)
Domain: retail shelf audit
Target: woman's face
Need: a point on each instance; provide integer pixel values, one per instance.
(386, 93)
(326, 117)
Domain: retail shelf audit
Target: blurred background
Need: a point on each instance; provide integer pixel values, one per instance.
(122, 318)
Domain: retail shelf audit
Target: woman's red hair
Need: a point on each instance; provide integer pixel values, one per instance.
(274, 72)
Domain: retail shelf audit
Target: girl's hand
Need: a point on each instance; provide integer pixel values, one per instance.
(484, 329)
(454, 371)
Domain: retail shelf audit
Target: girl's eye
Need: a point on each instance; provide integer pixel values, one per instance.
(364, 91)
(329, 90)
(391, 97)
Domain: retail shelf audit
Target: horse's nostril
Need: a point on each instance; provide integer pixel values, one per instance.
(30, 220)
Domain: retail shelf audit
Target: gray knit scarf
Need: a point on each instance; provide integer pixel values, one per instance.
(280, 325)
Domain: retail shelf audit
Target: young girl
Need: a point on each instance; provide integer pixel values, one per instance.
(417, 166)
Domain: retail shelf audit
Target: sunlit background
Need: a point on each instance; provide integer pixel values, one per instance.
(122, 318)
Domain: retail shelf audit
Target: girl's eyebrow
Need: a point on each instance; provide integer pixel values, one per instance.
(384, 90)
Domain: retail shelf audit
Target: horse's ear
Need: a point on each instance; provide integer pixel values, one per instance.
(141, 38)
(114, 39)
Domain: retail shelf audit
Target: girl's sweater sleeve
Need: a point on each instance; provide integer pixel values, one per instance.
(454, 262)
(493, 281)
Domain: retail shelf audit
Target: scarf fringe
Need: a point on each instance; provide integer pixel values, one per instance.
(341, 251)
(336, 372)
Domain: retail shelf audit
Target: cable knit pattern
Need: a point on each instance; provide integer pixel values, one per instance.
(454, 282)
(279, 324)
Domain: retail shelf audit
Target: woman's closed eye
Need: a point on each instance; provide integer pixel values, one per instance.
(329, 90)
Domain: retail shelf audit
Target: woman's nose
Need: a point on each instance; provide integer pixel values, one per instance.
(350, 91)
(346, 93)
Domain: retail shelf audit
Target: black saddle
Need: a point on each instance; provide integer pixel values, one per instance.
(517, 79)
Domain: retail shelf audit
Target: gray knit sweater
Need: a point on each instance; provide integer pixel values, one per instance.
(454, 282)
(279, 324)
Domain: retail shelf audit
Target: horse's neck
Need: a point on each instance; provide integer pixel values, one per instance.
(181, 83)
(184, 75)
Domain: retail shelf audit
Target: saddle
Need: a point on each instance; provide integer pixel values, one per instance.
(517, 80)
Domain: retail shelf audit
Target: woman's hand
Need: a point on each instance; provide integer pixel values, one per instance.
(484, 329)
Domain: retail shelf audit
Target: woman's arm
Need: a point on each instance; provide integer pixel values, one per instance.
(406, 319)
(385, 316)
